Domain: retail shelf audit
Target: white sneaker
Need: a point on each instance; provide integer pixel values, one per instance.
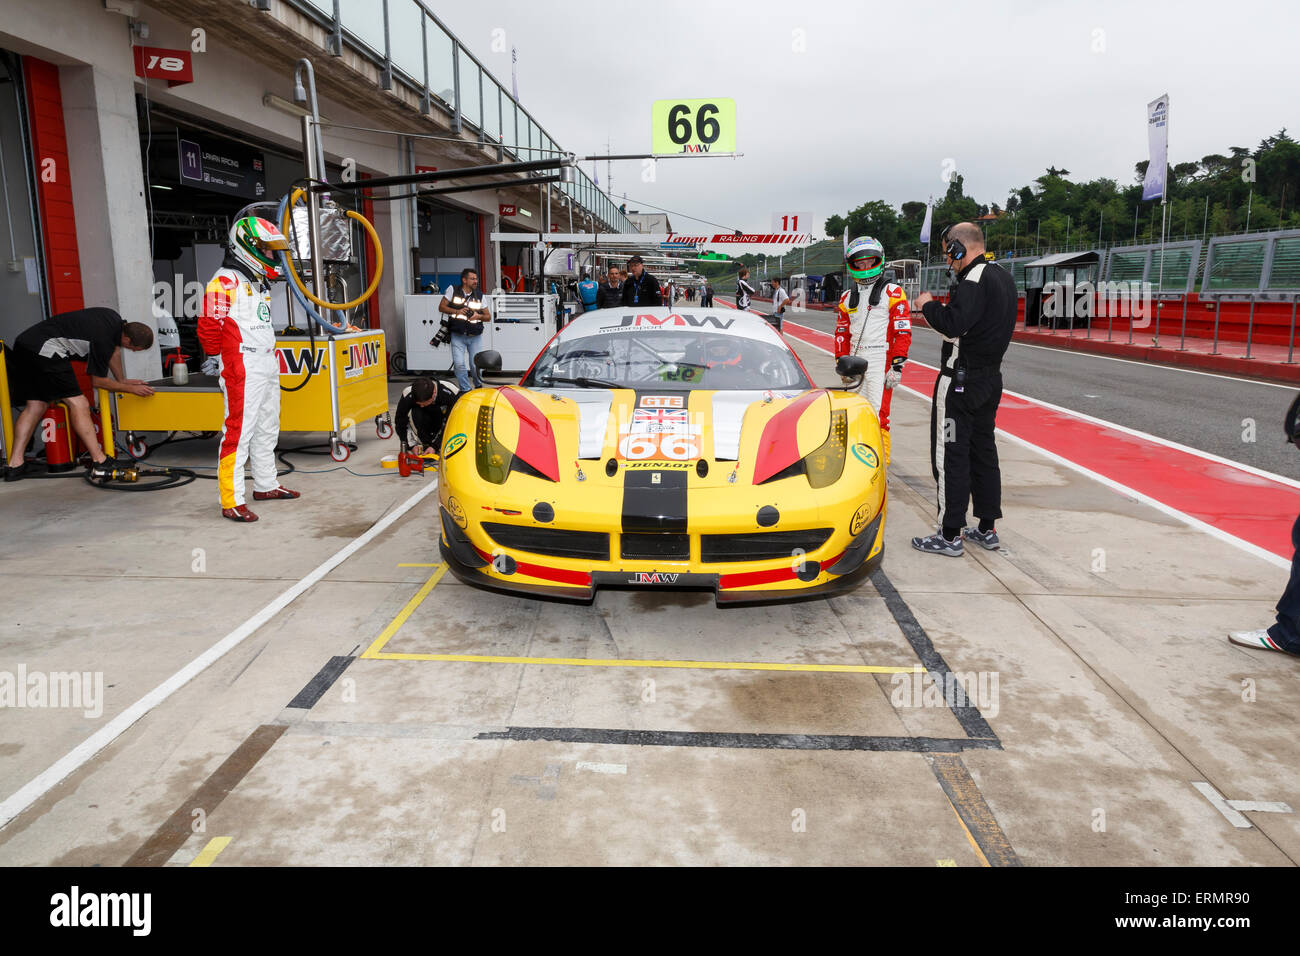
(1259, 640)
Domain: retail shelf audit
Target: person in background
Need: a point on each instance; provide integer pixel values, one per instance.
(641, 288)
(587, 292)
(463, 306)
(707, 298)
(780, 298)
(610, 293)
(1284, 634)
(422, 413)
(743, 289)
(42, 375)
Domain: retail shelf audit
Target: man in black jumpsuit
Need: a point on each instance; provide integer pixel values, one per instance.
(421, 414)
(976, 325)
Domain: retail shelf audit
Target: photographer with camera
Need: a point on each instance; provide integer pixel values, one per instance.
(465, 314)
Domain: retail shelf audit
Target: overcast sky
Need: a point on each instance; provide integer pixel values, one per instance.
(883, 94)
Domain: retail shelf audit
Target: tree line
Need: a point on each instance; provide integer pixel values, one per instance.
(1217, 194)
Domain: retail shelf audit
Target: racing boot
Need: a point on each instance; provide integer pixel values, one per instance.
(238, 513)
(277, 493)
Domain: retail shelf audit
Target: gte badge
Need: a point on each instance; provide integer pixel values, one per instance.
(454, 444)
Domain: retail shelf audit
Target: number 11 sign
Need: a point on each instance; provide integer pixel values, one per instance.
(791, 221)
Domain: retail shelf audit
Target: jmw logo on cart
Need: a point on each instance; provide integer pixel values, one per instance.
(360, 357)
(297, 361)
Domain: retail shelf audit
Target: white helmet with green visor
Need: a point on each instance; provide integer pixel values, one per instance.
(864, 259)
(255, 242)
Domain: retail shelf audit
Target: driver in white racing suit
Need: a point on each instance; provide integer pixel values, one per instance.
(874, 321)
(236, 325)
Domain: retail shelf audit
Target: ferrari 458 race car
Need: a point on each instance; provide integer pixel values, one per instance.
(663, 449)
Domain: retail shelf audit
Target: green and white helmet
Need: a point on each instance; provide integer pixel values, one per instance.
(869, 256)
(255, 243)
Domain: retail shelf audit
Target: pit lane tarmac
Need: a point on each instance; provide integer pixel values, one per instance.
(391, 715)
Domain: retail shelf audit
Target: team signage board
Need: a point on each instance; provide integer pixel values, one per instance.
(221, 166)
(507, 209)
(693, 126)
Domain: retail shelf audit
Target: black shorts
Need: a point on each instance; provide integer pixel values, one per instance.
(34, 377)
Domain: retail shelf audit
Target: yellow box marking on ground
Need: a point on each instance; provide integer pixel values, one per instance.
(396, 624)
(209, 852)
(375, 651)
(945, 862)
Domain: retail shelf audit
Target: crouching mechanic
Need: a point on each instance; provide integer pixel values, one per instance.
(236, 325)
(873, 321)
(422, 413)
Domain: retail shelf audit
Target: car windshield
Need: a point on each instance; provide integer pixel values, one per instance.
(667, 360)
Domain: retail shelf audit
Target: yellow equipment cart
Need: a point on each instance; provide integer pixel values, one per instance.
(344, 380)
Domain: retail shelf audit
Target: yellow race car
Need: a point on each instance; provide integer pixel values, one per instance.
(659, 449)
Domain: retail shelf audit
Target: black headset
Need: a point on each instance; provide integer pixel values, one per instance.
(954, 247)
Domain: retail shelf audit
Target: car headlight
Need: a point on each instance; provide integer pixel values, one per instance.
(825, 465)
(492, 457)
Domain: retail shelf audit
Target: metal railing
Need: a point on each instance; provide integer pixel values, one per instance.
(411, 46)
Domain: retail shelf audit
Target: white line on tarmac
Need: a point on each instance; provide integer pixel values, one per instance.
(602, 767)
(1151, 365)
(1217, 801)
(1199, 525)
(83, 752)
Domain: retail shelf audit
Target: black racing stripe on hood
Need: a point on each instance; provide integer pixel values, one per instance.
(654, 499)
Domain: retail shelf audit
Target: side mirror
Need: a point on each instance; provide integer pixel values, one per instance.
(489, 360)
(851, 366)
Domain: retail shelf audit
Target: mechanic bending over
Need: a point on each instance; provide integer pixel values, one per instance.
(872, 320)
(42, 375)
(976, 326)
(421, 414)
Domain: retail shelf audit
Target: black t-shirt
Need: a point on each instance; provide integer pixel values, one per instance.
(90, 334)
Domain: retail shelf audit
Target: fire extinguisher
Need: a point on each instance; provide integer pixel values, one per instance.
(57, 439)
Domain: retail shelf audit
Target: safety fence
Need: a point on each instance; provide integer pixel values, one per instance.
(411, 46)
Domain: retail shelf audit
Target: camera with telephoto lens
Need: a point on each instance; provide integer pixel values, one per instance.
(443, 335)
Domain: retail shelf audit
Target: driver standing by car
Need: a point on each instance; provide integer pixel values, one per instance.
(873, 321)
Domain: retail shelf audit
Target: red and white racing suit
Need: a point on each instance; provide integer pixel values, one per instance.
(881, 334)
(236, 324)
